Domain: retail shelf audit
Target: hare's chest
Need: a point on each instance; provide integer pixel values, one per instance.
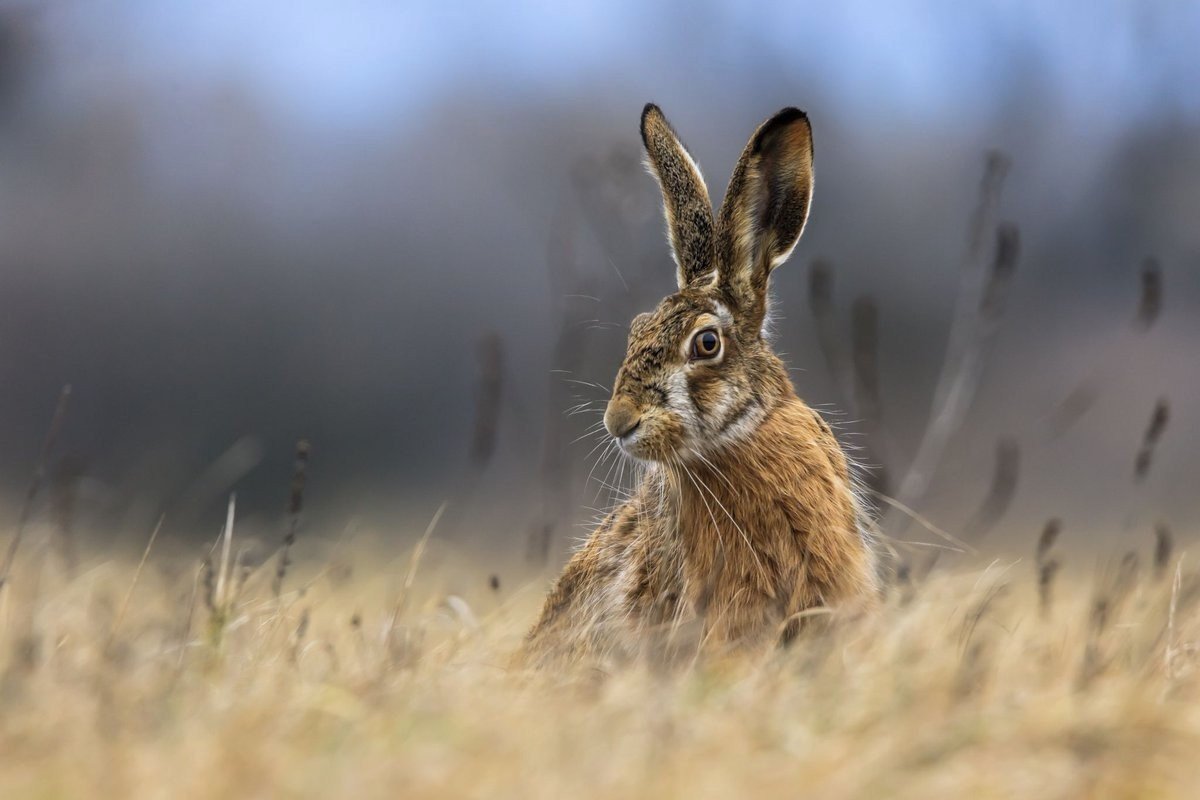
(650, 586)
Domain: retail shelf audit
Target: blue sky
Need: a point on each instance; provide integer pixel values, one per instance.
(350, 63)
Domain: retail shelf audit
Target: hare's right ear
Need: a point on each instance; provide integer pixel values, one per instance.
(764, 211)
(685, 199)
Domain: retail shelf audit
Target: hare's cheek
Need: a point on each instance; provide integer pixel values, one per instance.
(711, 396)
(681, 402)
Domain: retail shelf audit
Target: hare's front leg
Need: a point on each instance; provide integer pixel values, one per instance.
(582, 609)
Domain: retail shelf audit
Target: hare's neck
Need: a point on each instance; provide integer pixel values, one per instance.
(791, 458)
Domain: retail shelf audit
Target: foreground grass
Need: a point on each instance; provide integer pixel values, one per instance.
(965, 686)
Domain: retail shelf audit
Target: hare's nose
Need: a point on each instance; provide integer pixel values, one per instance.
(622, 417)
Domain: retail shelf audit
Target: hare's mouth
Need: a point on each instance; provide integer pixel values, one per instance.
(653, 436)
(628, 441)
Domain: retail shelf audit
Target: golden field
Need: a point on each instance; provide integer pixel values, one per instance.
(368, 678)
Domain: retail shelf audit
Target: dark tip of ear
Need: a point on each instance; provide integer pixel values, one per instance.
(787, 116)
(646, 112)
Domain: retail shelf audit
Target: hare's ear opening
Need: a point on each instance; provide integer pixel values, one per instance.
(685, 199)
(764, 211)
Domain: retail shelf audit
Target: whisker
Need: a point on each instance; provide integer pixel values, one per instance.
(711, 516)
(607, 445)
(721, 505)
(588, 383)
(592, 431)
(713, 466)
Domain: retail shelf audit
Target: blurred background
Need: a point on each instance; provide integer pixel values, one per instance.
(414, 234)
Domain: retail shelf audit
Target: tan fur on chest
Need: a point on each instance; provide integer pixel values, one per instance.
(728, 544)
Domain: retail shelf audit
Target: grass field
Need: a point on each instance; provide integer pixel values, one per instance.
(977, 682)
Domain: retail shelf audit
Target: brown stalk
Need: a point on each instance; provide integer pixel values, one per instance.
(971, 333)
(1001, 492)
(295, 507)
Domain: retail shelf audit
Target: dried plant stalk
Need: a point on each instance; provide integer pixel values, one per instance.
(295, 507)
(1150, 299)
(1001, 492)
(829, 340)
(1049, 536)
(1164, 545)
(868, 399)
(1154, 432)
(487, 404)
(1085, 394)
(112, 631)
(971, 332)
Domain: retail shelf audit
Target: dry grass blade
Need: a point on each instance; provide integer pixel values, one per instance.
(1169, 649)
(924, 522)
(112, 632)
(35, 482)
(185, 627)
(223, 569)
(411, 575)
(993, 698)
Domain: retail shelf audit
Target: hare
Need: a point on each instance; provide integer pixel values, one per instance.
(746, 513)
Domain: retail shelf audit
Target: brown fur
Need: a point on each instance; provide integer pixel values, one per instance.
(745, 516)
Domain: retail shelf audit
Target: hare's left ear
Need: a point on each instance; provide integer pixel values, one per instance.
(685, 199)
(764, 211)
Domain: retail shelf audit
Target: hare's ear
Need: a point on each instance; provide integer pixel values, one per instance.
(764, 211)
(685, 199)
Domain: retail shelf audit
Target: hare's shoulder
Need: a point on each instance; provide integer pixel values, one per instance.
(590, 582)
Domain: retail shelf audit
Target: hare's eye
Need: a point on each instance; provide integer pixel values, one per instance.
(706, 344)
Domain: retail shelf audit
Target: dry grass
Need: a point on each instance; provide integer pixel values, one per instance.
(963, 688)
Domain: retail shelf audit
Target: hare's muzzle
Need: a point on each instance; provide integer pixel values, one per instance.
(622, 417)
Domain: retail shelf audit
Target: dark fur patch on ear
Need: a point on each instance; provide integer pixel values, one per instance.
(685, 197)
(765, 209)
(784, 145)
(785, 117)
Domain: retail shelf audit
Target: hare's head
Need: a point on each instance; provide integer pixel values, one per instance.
(699, 374)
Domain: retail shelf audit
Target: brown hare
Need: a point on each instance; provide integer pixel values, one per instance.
(746, 513)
